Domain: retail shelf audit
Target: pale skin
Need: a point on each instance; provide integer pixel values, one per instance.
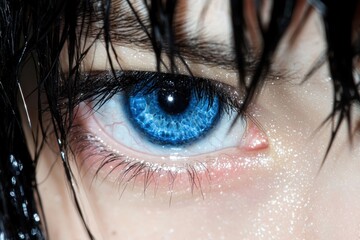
(283, 195)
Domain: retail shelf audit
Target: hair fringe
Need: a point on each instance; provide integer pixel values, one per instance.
(39, 30)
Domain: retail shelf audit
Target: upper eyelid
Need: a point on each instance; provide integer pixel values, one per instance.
(207, 53)
(185, 62)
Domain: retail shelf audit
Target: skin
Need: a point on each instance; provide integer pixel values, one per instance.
(289, 197)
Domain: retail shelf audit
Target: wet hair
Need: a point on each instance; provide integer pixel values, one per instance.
(37, 31)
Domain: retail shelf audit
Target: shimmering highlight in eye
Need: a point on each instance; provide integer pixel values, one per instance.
(171, 118)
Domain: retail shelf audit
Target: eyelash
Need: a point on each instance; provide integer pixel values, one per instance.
(133, 169)
(98, 87)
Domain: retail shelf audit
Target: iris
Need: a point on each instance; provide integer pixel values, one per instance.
(173, 115)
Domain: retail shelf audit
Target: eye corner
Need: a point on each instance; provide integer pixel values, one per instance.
(255, 138)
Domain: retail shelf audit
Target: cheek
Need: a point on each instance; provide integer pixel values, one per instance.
(324, 201)
(292, 115)
(334, 198)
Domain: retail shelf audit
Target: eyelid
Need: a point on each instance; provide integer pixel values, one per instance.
(103, 158)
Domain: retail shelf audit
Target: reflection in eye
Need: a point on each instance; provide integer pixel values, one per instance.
(160, 125)
(173, 115)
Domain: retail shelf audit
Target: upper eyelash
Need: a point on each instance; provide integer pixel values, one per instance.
(101, 86)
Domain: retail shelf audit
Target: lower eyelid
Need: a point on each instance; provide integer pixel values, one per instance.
(100, 155)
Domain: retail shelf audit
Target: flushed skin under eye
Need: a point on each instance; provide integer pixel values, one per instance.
(108, 144)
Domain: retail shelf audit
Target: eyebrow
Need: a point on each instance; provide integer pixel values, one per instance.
(129, 26)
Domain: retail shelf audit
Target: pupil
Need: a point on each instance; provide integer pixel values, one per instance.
(174, 101)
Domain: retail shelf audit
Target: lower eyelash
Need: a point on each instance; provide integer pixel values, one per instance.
(86, 145)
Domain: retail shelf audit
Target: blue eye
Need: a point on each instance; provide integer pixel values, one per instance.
(162, 114)
(172, 116)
